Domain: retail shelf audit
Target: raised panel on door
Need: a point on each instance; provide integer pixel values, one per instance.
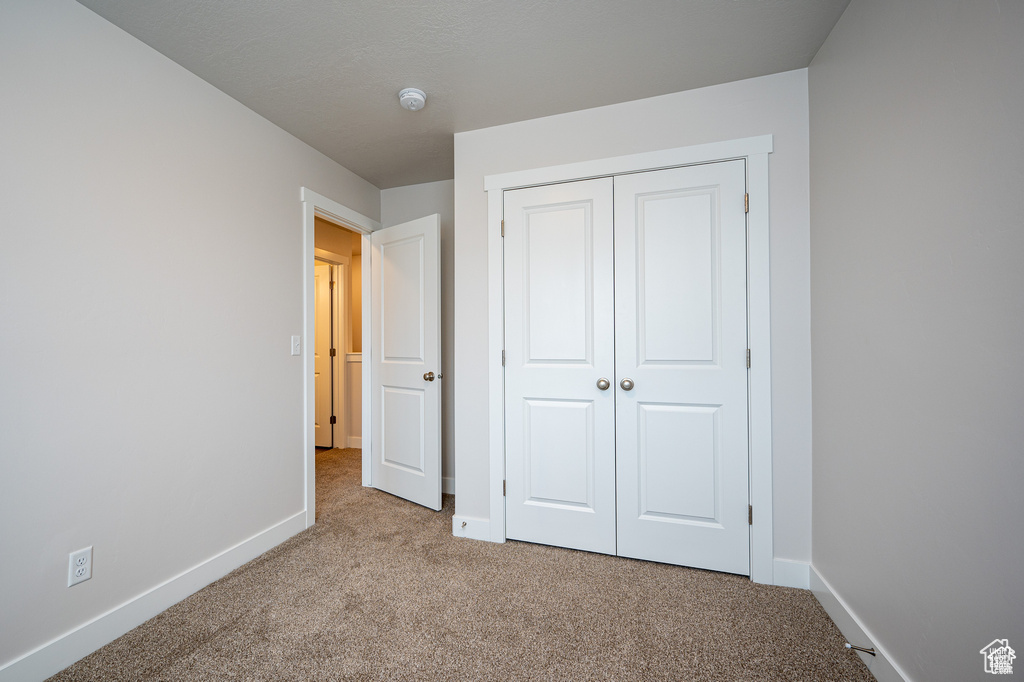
(559, 453)
(406, 419)
(680, 462)
(403, 417)
(681, 338)
(676, 277)
(558, 252)
(402, 300)
(559, 340)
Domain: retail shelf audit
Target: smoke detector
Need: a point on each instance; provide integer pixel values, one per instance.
(412, 99)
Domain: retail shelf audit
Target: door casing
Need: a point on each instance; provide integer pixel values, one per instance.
(755, 151)
(313, 205)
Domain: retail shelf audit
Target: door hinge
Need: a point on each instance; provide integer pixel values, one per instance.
(503, 489)
(746, 203)
(332, 283)
(502, 228)
(750, 515)
(334, 352)
(334, 420)
(748, 358)
(503, 358)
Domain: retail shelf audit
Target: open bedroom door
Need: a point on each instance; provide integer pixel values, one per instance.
(405, 365)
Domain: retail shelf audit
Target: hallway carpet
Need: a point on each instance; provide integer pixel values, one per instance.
(379, 589)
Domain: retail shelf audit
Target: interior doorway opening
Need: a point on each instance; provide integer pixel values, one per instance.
(336, 216)
(337, 354)
(401, 311)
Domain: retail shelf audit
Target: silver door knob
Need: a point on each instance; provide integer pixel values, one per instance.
(627, 384)
(429, 376)
(603, 384)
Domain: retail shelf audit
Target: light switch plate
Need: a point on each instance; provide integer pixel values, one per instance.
(296, 345)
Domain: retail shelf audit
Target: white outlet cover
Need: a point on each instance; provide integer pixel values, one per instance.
(79, 566)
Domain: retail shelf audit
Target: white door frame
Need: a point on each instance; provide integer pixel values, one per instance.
(313, 205)
(755, 151)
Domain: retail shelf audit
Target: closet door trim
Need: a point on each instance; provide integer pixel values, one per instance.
(755, 150)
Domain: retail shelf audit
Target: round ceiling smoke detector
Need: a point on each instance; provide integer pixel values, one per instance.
(412, 99)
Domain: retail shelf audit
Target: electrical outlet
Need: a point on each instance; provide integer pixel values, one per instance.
(79, 566)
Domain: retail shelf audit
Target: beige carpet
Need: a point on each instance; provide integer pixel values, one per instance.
(379, 589)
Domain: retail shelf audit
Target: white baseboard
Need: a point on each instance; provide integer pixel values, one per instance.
(58, 654)
(355, 442)
(470, 527)
(788, 573)
(448, 485)
(880, 665)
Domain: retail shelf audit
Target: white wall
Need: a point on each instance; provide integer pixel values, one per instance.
(918, 314)
(150, 279)
(774, 105)
(401, 204)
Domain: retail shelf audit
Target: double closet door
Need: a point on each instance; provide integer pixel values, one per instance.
(626, 366)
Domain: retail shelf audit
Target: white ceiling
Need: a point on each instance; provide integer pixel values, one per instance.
(329, 71)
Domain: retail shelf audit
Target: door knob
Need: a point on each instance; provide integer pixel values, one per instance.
(627, 384)
(429, 376)
(603, 384)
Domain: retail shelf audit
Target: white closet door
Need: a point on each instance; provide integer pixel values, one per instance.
(559, 341)
(681, 338)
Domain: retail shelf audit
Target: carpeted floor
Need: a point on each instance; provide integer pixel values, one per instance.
(379, 589)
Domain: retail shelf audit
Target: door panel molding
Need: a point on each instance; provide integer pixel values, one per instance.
(656, 502)
(674, 339)
(755, 151)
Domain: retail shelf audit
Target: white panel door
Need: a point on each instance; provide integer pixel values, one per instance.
(681, 340)
(321, 355)
(406, 361)
(559, 341)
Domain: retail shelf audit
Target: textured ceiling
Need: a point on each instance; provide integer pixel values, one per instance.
(329, 71)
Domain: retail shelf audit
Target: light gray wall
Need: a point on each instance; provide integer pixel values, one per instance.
(401, 204)
(769, 105)
(918, 316)
(150, 279)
